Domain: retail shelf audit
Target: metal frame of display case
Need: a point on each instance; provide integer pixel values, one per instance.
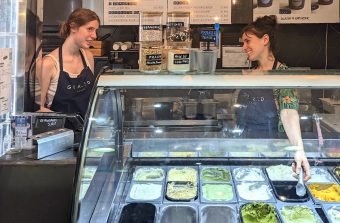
(102, 202)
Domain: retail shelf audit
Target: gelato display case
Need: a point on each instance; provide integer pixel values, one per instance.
(144, 159)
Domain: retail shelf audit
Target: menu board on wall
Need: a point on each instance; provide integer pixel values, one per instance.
(126, 12)
(5, 79)
(298, 11)
(203, 11)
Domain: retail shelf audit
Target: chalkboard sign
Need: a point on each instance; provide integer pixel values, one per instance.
(207, 35)
(48, 123)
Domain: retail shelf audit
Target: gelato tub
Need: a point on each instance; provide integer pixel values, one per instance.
(138, 213)
(218, 214)
(333, 214)
(243, 154)
(320, 175)
(248, 174)
(145, 191)
(254, 191)
(181, 191)
(336, 172)
(213, 153)
(280, 173)
(215, 174)
(259, 213)
(183, 154)
(286, 191)
(183, 174)
(152, 154)
(325, 192)
(274, 154)
(298, 214)
(182, 214)
(148, 174)
(217, 192)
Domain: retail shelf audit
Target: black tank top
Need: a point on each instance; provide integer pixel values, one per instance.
(73, 94)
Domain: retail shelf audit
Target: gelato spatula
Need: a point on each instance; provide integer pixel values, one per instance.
(300, 187)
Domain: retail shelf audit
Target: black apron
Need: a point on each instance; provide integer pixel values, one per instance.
(73, 94)
(257, 114)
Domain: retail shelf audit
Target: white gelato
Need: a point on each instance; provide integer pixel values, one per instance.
(281, 173)
(248, 174)
(334, 214)
(257, 191)
(320, 175)
(146, 191)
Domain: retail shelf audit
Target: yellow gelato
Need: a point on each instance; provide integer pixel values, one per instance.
(325, 192)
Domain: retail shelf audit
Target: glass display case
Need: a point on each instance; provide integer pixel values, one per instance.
(174, 148)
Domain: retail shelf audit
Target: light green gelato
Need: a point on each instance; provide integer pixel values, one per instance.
(215, 174)
(186, 174)
(217, 192)
(298, 214)
(152, 154)
(149, 174)
(259, 213)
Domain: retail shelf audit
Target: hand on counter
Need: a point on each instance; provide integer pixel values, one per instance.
(45, 110)
(301, 161)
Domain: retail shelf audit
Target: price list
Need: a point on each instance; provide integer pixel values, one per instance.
(126, 12)
(204, 11)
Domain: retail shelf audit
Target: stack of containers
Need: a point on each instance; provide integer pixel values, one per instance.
(178, 42)
(151, 44)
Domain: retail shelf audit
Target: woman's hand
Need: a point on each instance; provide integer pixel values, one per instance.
(43, 109)
(301, 162)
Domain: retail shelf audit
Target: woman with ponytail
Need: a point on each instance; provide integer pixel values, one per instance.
(67, 72)
(265, 112)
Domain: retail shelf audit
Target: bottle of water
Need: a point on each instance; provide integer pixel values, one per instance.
(7, 136)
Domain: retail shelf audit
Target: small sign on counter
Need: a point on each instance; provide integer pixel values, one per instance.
(234, 57)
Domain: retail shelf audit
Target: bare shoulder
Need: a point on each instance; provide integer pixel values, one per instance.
(49, 63)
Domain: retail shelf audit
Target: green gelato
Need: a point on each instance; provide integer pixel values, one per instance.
(298, 214)
(212, 153)
(217, 192)
(215, 174)
(259, 213)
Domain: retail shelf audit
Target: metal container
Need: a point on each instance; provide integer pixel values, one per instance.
(138, 212)
(191, 108)
(51, 142)
(179, 213)
(218, 214)
(209, 108)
